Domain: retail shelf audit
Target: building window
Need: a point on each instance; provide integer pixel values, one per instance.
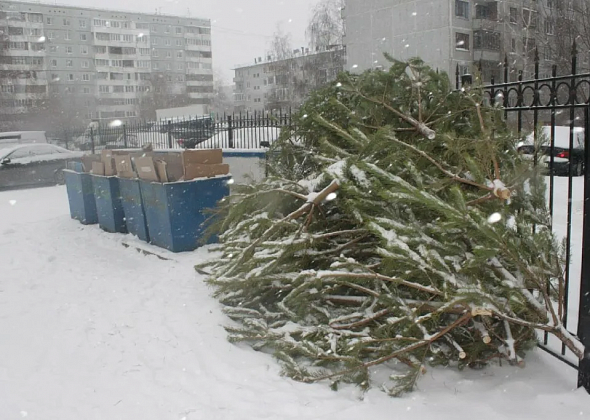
(178, 54)
(50, 35)
(50, 21)
(180, 66)
(54, 63)
(103, 89)
(179, 42)
(154, 53)
(529, 18)
(68, 36)
(69, 50)
(167, 29)
(127, 38)
(52, 49)
(547, 53)
(156, 66)
(513, 45)
(168, 66)
(85, 64)
(513, 15)
(486, 40)
(84, 49)
(154, 28)
(69, 63)
(71, 77)
(86, 90)
(549, 27)
(461, 41)
(462, 9)
(99, 22)
(178, 30)
(82, 23)
(167, 42)
(86, 77)
(66, 22)
(168, 54)
(154, 41)
(83, 37)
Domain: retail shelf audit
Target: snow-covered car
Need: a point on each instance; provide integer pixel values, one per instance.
(33, 164)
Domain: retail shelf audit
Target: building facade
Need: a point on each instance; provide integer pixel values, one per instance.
(107, 64)
(271, 84)
(452, 34)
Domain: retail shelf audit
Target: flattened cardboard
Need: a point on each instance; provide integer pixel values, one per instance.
(209, 157)
(98, 168)
(146, 169)
(161, 170)
(196, 170)
(174, 165)
(107, 157)
(87, 161)
(124, 166)
(109, 166)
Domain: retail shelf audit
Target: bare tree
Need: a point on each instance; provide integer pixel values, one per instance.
(280, 46)
(326, 26)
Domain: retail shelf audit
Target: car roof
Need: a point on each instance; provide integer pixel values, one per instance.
(11, 147)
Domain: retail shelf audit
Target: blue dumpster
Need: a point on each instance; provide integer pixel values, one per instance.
(109, 208)
(133, 208)
(81, 197)
(175, 211)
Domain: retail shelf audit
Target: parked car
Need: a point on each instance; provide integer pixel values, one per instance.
(21, 137)
(563, 157)
(33, 164)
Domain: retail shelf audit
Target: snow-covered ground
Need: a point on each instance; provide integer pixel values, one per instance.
(90, 329)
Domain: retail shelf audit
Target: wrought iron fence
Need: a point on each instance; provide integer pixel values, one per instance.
(560, 106)
(237, 131)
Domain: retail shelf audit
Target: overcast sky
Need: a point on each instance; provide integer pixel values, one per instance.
(241, 29)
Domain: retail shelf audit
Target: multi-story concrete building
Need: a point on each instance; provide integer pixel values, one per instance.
(280, 84)
(450, 34)
(110, 63)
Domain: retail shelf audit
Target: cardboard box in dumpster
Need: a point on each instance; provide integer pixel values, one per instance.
(161, 170)
(97, 168)
(87, 161)
(174, 166)
(124, 166)
(146, 169)
(107, 157)
(197, 170)
(208, 157)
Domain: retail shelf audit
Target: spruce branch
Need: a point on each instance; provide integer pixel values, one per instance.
(463, 319)
(439, 166)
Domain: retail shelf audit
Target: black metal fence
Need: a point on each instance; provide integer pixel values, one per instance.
(236, 131)
(559, 105)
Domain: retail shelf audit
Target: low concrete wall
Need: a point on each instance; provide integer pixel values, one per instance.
(246, 166)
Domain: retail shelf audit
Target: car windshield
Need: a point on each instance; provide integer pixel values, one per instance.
(294, 209)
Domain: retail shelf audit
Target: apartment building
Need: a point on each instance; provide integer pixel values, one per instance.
(110, 63)
(451, 34)
(281, 84)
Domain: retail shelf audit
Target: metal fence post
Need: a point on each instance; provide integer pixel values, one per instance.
(92, 139)
(169, 129)
(125, 136)
(584, 308)
(66, 139)
(230, 133)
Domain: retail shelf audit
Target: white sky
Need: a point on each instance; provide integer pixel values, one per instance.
(242, 29)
